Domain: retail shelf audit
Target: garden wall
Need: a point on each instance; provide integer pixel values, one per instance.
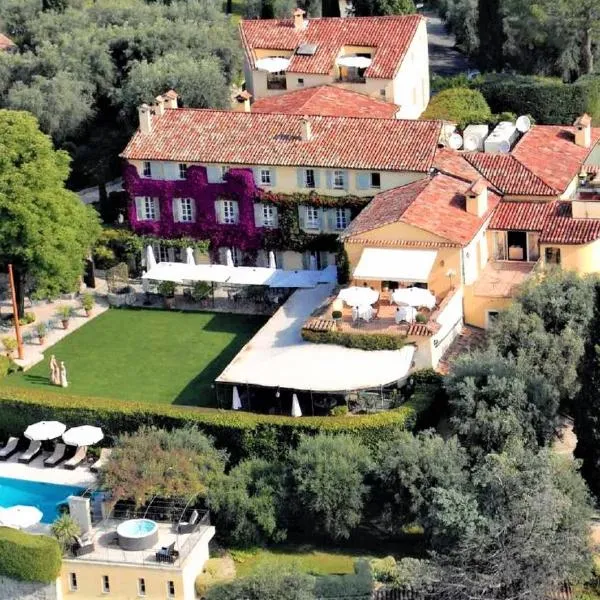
(11, 589)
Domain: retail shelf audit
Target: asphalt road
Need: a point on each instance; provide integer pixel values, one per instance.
(443, 58)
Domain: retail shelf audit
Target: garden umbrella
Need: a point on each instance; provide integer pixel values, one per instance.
(189, 256)
(84, 435)
(150, 260)
(45, 430)
(229, 258)
(313, 263)
(145, 283)
(358, 296)
(272, 263)
(414, 296)
(274, 64)
(360, 62)
(237, 403)
(296, 412)
(20, 517)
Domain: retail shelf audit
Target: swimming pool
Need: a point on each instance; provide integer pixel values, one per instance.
(45, 496)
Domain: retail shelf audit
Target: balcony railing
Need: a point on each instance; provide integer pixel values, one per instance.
(276, 82)
(351, 79)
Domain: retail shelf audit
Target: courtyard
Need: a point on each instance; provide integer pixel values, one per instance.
(150, 356)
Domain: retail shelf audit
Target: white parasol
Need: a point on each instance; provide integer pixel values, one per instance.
(414, 296)
(229, 258)
(150, 260)
(189, 256)
(296, 412)
(272, 263)
(237, 403)
(84, 435)
(358, 296)
(360, 62)
(272, 64)
(20, 517)
(45, 430)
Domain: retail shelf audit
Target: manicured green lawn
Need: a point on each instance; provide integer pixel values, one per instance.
(315, 562)
(147, 355)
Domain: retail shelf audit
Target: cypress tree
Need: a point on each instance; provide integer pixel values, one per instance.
(490, 29)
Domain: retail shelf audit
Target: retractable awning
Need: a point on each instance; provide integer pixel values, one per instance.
(383, 264)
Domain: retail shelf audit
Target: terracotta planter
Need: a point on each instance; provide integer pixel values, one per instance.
(65, 323)
(42, 339)
(88, 312)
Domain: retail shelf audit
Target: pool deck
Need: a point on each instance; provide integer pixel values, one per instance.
(35, 471)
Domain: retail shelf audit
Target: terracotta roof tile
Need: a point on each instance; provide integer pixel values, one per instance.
(434, 204)
(553, 220)
(6, 42)
(326, 100)
(454, 163)
(391, 36)
(240, 138)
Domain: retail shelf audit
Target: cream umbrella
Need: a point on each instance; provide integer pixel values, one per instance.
(358, 296)
(313, 262)
(414, 296)
(20, 517)
(189, 256)
(360, 62)
(237, 403)
(150, 260)
(272, 263)
(84, 435)
(45, 430)
(296, 412)
(229, 258)
(272, 64)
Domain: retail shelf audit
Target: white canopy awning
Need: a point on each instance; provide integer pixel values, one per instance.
(180, 272)
(382, 264)
(360, 62)
(274, 64)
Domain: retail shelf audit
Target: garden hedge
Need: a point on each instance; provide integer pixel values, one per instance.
(361, 341)
(243, 434)
(29, 557)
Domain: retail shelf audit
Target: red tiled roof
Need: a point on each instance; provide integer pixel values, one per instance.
(391, 36)
(453, 163)
(553, 220)
(326, 100)
(550, 152)
(434, 204)
(6, 42)
(240, 138)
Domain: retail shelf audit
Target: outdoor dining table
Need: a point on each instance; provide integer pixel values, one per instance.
(405, 314)
(358, 296)
(414, 296)
(364, 312)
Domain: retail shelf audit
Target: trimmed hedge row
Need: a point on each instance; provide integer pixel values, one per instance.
(29, 557)
(360, 341)
(243, 434)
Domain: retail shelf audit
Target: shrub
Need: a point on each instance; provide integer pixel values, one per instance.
(10, 344)
(213, 572)
(87, 302)
(339, 411)
(27, 319)
(459, 105)
(336, 314)
(64, 529)
(357, 585)
(360, 341)
(384, 569)
(200, 290)
(29, 557)
(41, 329)
(166, 289)
(421, 318)
(7, 366)
(65, 312)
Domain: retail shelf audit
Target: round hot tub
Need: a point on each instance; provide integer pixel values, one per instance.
(137, 534)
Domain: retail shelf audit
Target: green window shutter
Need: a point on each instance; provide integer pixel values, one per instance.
(219, 210)
(301, 216)
(177, 210)
(258, 214)
(300, 178)
(256, 174)
(273, 176)
(346, 179)
(139, 208)
(213, 174)
(363, 180)
(317, 173)
(275, 217)
(329, 179)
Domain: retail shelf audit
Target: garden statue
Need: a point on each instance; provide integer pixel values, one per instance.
(63, 375)
(54, 371)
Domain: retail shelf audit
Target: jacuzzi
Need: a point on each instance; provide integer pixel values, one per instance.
(137, 534)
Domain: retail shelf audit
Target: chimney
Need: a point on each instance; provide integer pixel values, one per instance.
(171, 99)
(299, 20)
(305, 129)
(159, 106)
(477, 198)
(583, 131)
(243, 99)
(145, 116)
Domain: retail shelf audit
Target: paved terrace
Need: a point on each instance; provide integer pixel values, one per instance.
(502, 279)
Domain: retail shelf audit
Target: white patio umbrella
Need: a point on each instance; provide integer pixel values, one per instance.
(360, 62)
(313, 262)
(272, 263)
(274, 64)
(145, 283)
(189, 256)
(358, 296)
(84, 435)
(296, 412)
(150, 260)
(414, 296)
(45, 430)
(20, 517)
(237, 403)
(229, 258)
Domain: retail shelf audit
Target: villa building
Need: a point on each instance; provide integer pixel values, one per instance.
(381, 57)
(6, 44)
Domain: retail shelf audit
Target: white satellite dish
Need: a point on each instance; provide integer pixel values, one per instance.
(504, 146)
(471, 143)
(455, 141)
(523, 123)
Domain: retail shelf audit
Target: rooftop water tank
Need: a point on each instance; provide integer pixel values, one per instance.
(502, 138)
(474, 137)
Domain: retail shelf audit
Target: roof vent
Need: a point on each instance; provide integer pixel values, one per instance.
(306, 49)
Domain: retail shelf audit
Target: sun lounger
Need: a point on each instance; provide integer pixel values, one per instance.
(9, 449)
(82, 546)
(190, 525)
(76, 459)
(34, 449)
(57, 456)
(101, 462)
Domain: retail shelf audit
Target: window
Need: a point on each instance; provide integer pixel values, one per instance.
(341, 218)
(224, 171)
(186, 210)
(141, 586)
(265, 176)
(312, 217)
(73, 582)
(382, 92)
(146, 208)
(229, 212)
(552, 256)
(105, 584)
(490, 318)
(338, 180)
(300, 82)
(161, 252)
(375, 180)
(268, 215)
(182, 170)
(147, 169)
(309, 178)
(170, 589)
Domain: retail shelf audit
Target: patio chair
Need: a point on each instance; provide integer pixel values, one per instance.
(76, 459)
(190, 525)
(10, 448)
(34, 449)
(57, 456)
(167, 554)
(82, 546)
(101, 462)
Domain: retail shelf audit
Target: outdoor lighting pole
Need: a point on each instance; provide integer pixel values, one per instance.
(13, 293)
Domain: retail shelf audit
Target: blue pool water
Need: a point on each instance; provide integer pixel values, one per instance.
(45, 496)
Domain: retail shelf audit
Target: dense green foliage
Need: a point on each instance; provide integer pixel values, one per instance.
(365, 8)
(462, 106)
(361, 341)
(45, 231)
(356, 585)
(29, 557)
